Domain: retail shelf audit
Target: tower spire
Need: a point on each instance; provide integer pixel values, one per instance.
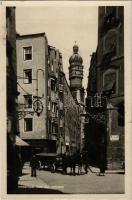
(76, 73)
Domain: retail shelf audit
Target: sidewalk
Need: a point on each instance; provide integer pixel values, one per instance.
(114, 171)
(26, 181)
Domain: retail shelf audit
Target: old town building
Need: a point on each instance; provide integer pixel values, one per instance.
(55, 98)
(32, 59)
(64, 115)
(105, 92)
(46, 102)
(72, 120)
(13, 161)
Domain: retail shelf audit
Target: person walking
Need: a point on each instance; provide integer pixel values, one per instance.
(85, 161)
(64, 163)
(102, 161)
(34, 164)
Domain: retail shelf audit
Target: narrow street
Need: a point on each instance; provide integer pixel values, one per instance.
(55, 183)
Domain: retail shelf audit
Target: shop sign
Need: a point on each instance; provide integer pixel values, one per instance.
(114, 138)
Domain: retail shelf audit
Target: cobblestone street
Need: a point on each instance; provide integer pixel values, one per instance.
(54, 183)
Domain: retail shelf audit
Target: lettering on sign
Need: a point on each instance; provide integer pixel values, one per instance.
(114, 138)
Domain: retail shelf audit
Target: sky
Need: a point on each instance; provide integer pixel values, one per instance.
(63, 26)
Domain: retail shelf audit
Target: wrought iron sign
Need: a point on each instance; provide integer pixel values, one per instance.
(23, 113)
(38, 106)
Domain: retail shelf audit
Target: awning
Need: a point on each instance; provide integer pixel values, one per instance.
(20, 142)
(109, 86)
(46, 154)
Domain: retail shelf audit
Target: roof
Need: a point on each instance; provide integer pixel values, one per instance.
(19, 37)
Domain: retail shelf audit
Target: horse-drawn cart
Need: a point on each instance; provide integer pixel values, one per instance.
(50, 161)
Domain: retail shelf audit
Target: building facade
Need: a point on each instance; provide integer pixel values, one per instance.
(13, 160)
(46, 102)
(55, 98)
(72, 120)
(32, 79)
(106, 81)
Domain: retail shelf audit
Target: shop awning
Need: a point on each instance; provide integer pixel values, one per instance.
(109, 86)
(20, 142)
(46, 154)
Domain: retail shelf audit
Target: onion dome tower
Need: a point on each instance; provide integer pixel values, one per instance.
(76, 75)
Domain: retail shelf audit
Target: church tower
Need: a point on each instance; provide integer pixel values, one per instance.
(76, 75)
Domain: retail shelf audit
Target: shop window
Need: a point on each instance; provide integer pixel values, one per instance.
(28, 101)
(28, 124)
(28, 76)
(27, 53)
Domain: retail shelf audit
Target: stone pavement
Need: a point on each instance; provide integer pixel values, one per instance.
(26, 181)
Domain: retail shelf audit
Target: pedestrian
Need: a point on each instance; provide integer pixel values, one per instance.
(85, 161)
(64, 163)
(102, 165)
(34, 164)
(79, 162)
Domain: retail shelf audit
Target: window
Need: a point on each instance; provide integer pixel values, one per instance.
(49, 104)
(52, 66)
(53, 107)
(27, 53)
(28, 76)
(61, 80)
(28, 101)
(53, 87)
(28, 124)
(54, 128)
(61, 114)
(61, 96)
(111, 10)
(110, 82)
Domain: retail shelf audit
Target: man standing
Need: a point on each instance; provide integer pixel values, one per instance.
(64, 162)
(33, 164)
(85, 161)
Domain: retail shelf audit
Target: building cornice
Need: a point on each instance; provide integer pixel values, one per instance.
(20, 37)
